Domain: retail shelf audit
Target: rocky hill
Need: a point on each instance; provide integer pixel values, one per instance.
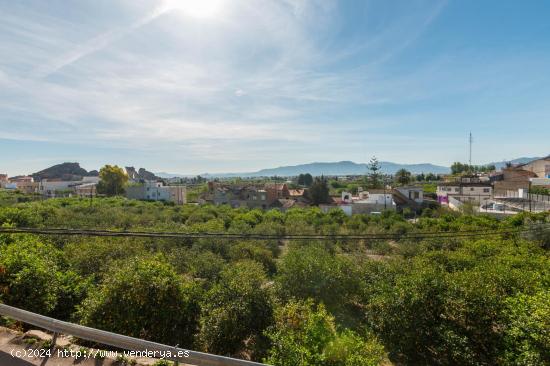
(141, 174)
(64, 171)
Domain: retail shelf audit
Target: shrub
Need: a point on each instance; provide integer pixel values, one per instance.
(236, 311)
(28, 275)
(198, 263)
(406, 314)
(18, 217)
(94, 256)
(527, 334)
(313, 272)
(72, 291)
(306, 335)
(145, 298)
(255, 251)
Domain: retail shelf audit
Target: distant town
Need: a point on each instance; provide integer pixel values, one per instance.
(512, 188)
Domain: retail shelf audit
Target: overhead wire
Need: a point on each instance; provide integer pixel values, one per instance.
(259, 236)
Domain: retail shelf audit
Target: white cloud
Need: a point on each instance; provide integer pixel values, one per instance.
(255, 80)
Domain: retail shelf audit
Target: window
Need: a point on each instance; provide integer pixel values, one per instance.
(472, 188)
(486, 190)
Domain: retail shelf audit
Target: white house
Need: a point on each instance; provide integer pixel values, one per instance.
(56, 188)
(376, 200)
(156, 191)
(366, 202)
(376, 197)
(62, 188)
(466, 189)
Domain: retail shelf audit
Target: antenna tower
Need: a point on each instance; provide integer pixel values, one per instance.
(471, 142)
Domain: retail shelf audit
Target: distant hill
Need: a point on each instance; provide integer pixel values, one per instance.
(336, 168)
(344, 168)
(64, 171)
(172, 175)
(501, 164)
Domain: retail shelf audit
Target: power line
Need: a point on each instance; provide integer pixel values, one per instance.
(172, 235)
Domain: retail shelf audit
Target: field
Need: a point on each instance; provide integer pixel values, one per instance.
(448, 289)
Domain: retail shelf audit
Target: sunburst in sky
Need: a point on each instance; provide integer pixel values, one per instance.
(194, 86)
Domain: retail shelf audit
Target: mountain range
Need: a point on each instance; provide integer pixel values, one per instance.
(73, 171)
(499, 165)
(338, 168)
(342, 168)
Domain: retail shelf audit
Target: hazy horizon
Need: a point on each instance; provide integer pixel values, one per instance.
(195, 86)
(185, 173)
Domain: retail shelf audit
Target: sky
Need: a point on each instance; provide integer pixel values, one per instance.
(195, 86)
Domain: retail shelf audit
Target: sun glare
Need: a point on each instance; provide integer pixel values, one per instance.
(195, 8)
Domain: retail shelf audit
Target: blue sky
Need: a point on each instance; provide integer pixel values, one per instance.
(194, 86)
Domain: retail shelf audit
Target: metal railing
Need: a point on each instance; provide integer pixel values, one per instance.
(524, 202)
(526, 195)
(121, 341)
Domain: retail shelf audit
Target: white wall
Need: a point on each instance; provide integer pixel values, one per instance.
(378, 199)
(90, 180)
(477, 191)
(464, 190)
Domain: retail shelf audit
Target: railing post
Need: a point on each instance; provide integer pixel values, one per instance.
(176, 363)
(54, 339)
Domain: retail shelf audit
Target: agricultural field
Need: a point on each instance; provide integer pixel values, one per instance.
(447, 289)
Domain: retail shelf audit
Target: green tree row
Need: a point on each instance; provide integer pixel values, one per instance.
(432, 301)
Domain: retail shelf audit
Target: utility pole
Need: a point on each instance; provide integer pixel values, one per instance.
(385, 205)
(529, 193)
(384, 182)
